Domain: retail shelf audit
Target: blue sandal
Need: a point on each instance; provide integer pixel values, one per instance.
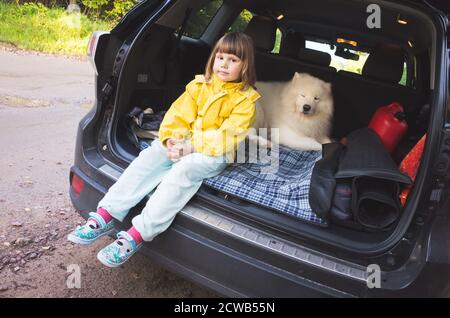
(94, 228)
(117, 253)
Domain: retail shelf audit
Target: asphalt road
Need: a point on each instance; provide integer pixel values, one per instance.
(42, 99)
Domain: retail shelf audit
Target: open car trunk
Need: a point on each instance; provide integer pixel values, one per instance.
(158, 66)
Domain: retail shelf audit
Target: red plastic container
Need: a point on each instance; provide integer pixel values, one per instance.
(390, 125)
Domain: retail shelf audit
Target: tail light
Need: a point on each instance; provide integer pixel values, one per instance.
(77, 184)
(92, 47)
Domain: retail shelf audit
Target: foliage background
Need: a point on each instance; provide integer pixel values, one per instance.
(34, 26)
(94, 9)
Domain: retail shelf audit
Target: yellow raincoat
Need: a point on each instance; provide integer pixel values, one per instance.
(214, 116)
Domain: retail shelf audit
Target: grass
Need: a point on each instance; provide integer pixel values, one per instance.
(35, 27)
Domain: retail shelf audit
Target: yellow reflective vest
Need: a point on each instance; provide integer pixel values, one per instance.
(215, 116)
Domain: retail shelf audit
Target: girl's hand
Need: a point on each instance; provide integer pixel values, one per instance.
(178, 148)
(170, 143)
(172, 153)
(183, 148)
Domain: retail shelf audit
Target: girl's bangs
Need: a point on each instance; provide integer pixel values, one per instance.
(228, 46)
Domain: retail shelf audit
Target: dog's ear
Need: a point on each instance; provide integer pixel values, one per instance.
(296, 76)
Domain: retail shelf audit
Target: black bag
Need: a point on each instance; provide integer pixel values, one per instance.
(146, 119)
(341, 207)
(323, 183)
(376, 180)
(357, 185)
(143, 126)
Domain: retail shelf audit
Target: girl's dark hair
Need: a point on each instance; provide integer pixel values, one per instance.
(241, 45)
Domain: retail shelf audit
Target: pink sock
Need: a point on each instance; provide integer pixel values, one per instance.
(135, 235)
(104, 214)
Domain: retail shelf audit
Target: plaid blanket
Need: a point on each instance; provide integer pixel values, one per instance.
(285, 189)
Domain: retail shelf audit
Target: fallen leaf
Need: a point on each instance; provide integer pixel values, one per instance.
(22, 241)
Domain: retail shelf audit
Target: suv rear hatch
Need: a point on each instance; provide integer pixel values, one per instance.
(153, 66)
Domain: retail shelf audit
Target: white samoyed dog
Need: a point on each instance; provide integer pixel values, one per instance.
(302, 110)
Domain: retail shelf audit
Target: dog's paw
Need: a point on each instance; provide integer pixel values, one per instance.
(317, 147)
(313, 145)
(306, 145)
(325, 140)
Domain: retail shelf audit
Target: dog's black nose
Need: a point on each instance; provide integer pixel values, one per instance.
(306, 108)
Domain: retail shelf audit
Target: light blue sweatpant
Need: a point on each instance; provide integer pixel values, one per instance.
(178, 182)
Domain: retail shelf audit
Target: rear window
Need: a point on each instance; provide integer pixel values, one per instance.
(340, 63)
(349, 65)
(200, 19)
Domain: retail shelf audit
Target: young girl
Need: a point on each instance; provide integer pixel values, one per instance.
(197, 138)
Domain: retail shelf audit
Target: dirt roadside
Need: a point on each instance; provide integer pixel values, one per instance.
(42, 99)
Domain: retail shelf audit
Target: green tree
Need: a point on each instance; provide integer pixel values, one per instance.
(241, 22)
(93, 7)
(119, 8)
(199, 20)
